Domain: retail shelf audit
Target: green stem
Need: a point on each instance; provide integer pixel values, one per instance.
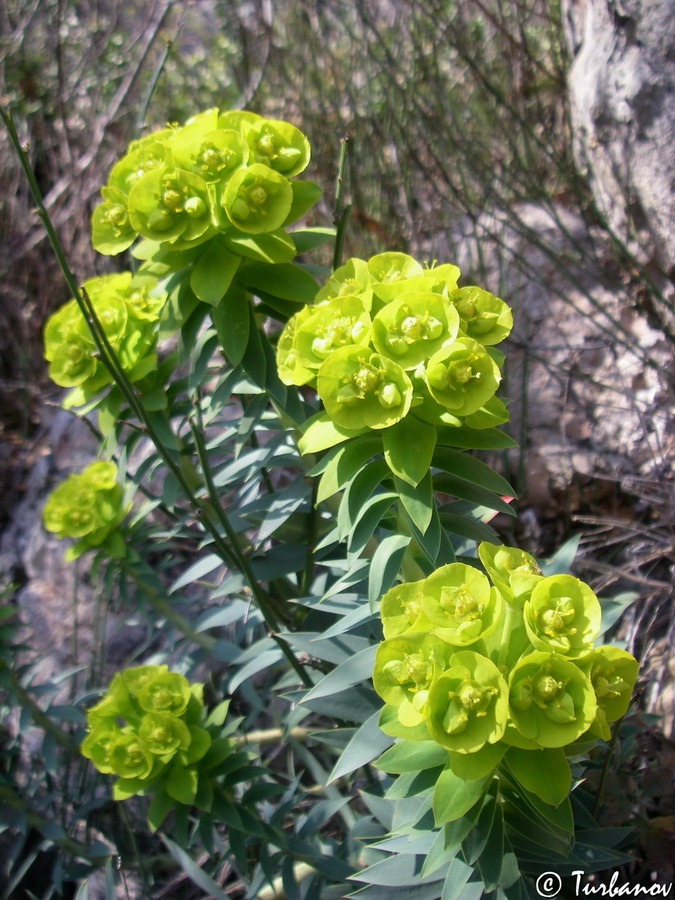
(275, 735)
(110, 360)
(39, 716)
(13, 801)
(108, 355)
(312, 533)
(262, 598)
(168, 46)
(166, 609)
(605, 767)
(340, 213)
(124, 818)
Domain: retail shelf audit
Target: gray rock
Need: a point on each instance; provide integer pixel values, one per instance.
(588, 376)
(56, 602)
(622, 101)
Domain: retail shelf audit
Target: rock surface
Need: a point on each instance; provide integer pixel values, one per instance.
(55, 600)
(621, 90)
(587, 374)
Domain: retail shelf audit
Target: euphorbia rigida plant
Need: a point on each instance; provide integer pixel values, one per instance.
(290, 490)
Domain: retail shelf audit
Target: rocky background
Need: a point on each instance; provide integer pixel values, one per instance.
(568, 213)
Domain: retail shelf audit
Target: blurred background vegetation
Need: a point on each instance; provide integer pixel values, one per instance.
(457, 115)
(460, 148)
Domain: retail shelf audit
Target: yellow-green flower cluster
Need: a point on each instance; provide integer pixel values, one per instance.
(483, 664)
(387, 338)
(220, 172)
(128, 308)
(87, 506)
(147, 730)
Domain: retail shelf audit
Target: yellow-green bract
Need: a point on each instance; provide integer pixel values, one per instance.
(127, 306)
(87, 506)
(387, 339)
(505, 664)
(147, 730)
(221, 172)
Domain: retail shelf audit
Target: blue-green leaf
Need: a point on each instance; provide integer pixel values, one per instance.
(385, 565)
(467, 490)
(456, 879)
(473, 438)
(352, 671)
(195, 874)
(357, 493)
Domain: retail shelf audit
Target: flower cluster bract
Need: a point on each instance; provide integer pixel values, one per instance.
(147, 730)
(220, 173)
(483, 664)
(387, 338)
(128, 308)
(87, 506)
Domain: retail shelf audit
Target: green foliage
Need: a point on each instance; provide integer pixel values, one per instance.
(128, 308)
(151, 729)
(88, 506)
(305, 462)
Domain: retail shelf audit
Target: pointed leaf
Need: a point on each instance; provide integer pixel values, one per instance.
(408, 448)
(194, 873)
(321, 433)
(491, 859)
(418, 501)
(232, 322)
(367, 743)
(343, 462)
(285, 280)
(352, 671)
(358, 493)
(213, 273)
(308, 238)
(474, 439)
(471, 469)
(385, 564)
(159, 809)
(545, 772)
(467, 490)
(455, 880)
(275, 247)
(412, 756)
(453, 797)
